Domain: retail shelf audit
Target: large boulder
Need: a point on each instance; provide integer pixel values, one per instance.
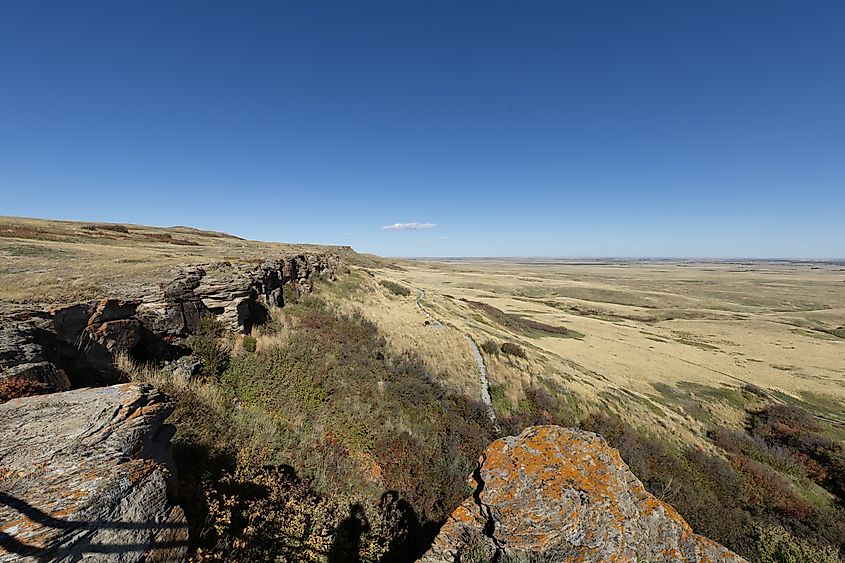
(84, 475)
(556, 494)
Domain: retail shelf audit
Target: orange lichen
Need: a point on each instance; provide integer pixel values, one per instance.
(551, 489)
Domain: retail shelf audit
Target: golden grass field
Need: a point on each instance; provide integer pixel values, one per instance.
(671, 346)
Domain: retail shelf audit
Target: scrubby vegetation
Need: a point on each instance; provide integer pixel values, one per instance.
(206, 346)
(521, 324)
(312, 440)
(395, 288)
(770, 494)
(512, 349)
(15, 387)
(490, 347)
(320, 444)
(115, 228)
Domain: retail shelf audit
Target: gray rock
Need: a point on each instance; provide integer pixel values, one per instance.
(84, 476)
(21, 356)
(184, 368)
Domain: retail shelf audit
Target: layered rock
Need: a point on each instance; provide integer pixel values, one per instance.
(75, 345)
(83, 475)
(21, 356)
(556, 494)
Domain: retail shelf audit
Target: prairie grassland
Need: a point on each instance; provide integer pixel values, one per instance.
(674, 347)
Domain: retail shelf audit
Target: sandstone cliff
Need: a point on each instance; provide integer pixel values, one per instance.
(83, 475)
(556, 494)
(74, 345)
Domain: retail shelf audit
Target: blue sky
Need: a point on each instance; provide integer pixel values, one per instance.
(704, 129)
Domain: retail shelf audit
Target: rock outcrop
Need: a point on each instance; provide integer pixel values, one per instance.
(83, 475)
(556, 494)
(75, 345)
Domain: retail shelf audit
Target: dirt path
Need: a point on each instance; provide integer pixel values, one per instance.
(479, 359)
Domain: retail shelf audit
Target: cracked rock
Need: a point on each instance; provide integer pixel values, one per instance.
(557, 494)
(85, 477)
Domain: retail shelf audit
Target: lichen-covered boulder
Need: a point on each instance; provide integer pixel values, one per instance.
(83, 476)
(557, 494)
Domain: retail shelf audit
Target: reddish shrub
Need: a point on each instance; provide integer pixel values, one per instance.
(14, 387)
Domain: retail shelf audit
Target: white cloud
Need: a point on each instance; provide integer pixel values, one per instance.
(409, 226)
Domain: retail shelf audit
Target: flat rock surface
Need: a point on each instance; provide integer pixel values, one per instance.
(83, 477)
(557, 494)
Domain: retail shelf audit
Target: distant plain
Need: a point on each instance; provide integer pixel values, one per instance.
(672, 345)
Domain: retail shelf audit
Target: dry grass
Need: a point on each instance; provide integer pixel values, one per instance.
(404, 327)
(704, 330)
(56, 262)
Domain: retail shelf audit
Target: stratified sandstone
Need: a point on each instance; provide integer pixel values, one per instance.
(556, 494)
(83, 476)
(75, 345)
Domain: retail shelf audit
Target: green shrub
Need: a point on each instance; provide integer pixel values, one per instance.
(205, 345)
(395, 288)
(538, 407)
(290, 294)
(512, 349)
(776, 545)
(490, 347)
(730, 500)
(249, 343)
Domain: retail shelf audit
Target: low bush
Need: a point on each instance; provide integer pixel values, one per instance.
(271, 515)
(776, 545)
(250, 343)
(490, 347)
(16, 387)
(512, 349)
(290, 294)
(731, 499)
(395, 288)
(206, 346)
(538, 407)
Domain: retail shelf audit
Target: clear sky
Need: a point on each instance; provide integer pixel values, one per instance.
(588, 128)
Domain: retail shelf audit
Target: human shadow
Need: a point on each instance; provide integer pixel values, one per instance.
(346, 545)
(14, 545)
(398, 526)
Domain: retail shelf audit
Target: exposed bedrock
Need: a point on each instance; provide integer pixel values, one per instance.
(557, 494)
(74, 346)
(84, 475)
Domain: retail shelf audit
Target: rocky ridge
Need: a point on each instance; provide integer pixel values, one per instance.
(557, 494)
(74, 345)
(83, 475)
